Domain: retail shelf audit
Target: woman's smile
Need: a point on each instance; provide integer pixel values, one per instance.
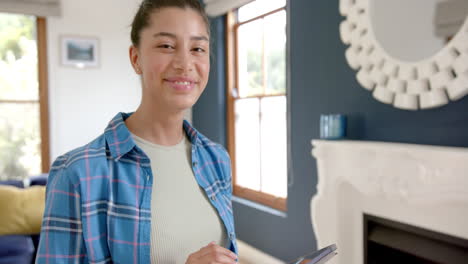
(181, 84)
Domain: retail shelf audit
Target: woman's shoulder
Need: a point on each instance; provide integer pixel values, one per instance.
(90, 156)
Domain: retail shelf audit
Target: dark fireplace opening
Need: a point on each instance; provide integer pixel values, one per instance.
(387, 241)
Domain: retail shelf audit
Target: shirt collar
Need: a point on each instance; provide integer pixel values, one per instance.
(120, 141)
(192, 134)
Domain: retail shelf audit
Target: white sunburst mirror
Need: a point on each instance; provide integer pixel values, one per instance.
(411, 84)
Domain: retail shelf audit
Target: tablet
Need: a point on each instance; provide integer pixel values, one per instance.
(317, 257)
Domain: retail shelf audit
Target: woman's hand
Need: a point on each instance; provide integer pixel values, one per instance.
(212, 254)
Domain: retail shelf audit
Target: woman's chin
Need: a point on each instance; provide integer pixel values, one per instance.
(183, 105)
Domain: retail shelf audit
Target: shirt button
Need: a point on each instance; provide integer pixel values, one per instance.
(231, 235)
(213, 197)
(195, 163)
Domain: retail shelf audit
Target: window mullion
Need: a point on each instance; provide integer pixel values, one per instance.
(264, 77)
(233, 82)
(260, 142)
(18, 101)
(43, 92)
(260, 100)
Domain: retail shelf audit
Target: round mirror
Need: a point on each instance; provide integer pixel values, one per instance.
(412, 54)
(413, 30)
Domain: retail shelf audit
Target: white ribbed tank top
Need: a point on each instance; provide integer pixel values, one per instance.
(182, 218)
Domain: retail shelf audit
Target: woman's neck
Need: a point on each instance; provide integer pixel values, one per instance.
(156, 126)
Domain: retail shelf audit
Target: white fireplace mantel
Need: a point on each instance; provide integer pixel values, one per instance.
(421, 185)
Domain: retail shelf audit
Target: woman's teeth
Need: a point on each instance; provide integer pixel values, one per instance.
(182, 83)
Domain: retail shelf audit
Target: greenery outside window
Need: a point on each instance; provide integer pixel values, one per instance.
(24, 143)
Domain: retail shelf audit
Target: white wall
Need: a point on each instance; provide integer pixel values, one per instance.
(82, 101)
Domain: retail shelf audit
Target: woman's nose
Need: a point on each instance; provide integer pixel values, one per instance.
(183, 61)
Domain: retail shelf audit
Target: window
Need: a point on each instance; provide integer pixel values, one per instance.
(257, 125)
(24, 144)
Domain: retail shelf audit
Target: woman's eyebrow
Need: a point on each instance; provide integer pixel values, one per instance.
(171, 35)
(164, 34)
(199, 38)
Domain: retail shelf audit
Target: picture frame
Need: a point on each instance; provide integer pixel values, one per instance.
(79, 51)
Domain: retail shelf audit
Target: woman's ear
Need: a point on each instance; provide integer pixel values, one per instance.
(135, 59)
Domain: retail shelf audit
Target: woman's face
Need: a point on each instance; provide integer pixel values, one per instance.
(173, 58)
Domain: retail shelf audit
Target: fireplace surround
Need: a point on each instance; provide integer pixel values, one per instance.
(418, 185)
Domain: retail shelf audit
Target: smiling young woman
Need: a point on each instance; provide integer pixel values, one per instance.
(151, 188)
(172, 57)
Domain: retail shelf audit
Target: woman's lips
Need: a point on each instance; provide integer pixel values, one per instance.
(181, 84)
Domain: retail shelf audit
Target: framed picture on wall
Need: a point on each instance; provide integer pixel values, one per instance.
(79, 52)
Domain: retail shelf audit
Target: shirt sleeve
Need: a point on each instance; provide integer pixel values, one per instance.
(61, 239)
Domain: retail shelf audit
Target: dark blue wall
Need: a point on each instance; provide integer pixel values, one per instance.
(321, 82)
(209, 114)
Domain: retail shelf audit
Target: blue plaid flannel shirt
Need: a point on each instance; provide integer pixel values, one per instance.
(99, 198)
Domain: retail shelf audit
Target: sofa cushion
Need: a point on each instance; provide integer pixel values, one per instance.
(22, 209)
(16, 183)
(16, 249)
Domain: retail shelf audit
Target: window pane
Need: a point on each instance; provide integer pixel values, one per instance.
(258, 7)
(247, 143)
(250, 58)
(19, 140)
(18, 58)
(275, 53)
(273, 146)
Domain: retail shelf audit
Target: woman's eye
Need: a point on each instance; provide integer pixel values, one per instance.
(165, 46)
(198, 49)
